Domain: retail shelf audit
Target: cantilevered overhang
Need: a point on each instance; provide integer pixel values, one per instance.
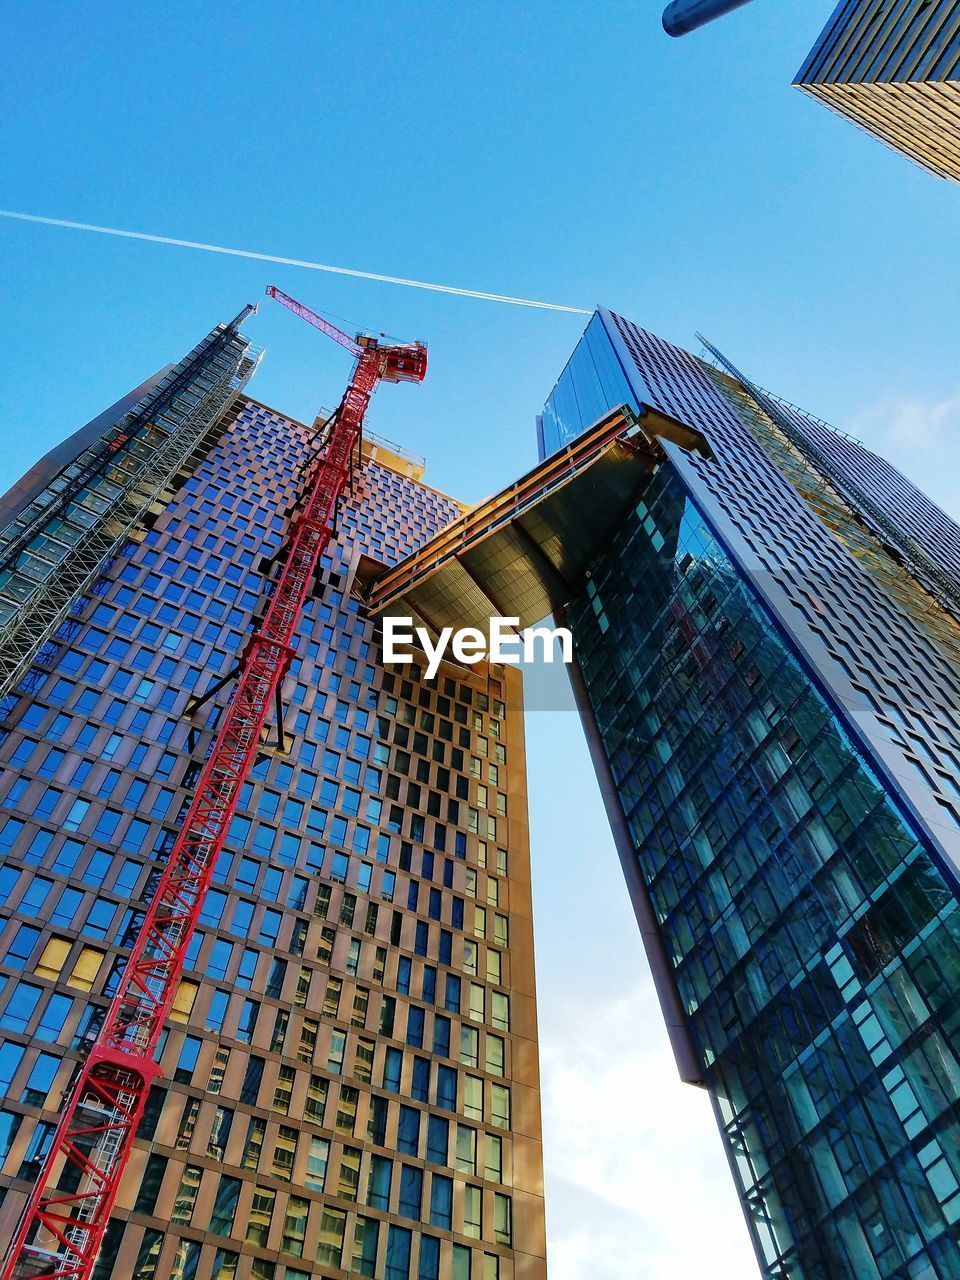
(525, 552)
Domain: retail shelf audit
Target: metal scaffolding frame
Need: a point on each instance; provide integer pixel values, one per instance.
(58, 546)
(806, 467)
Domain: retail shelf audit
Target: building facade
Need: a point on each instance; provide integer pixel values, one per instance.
(768, 671)
(350, 1078)
(894, 69)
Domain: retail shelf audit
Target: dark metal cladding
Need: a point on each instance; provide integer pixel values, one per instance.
(683, 16)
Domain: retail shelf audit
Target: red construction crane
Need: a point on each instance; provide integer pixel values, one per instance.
(62, 1226)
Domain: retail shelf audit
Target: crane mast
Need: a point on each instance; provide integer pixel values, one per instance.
(61, 1229)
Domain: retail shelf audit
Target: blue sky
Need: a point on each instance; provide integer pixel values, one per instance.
(560, 151)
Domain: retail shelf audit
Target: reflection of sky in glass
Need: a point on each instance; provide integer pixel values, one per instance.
(811, 934)
(589, 386)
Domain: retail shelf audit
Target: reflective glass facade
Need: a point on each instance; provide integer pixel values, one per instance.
(776, 705)
(893, 67)
(592, 382)
(350, 1073)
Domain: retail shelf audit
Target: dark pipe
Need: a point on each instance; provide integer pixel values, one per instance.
(681, 16)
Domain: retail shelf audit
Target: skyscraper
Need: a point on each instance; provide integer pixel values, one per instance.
(894, 69)
(890, 66)
(766, 622)
(350, 1074)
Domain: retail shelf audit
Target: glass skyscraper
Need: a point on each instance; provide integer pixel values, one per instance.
(893, 67)
(350, 1082)
(768, 670)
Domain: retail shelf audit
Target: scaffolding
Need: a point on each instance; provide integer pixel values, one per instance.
(845, 509)
(53, 551)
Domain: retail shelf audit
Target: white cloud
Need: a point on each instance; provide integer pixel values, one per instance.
(638, 1186)
(922, 439)
(908, 425)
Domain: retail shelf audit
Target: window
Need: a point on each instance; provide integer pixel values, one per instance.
(316, 1099)
(420, 1080)
(446, 1088)
(441, 1036)
(325, 949)
(361, 999)
(217, 1069)
(20, 1007)
(338, 1043)
(365, 1240)
(145, 1267)
(378, 1182)
(260, 1214)
(469, 1046)
(502, 1219)
(429, 1268)
(473, 1097)
(280, 1023)
(496, 1055)
(218, 1008)
(317, 1158)
(347, 1109)
(309, 1030)
(283, 1091)
(392, 1062)
(466, 1150)
(53, 959)
(251, 1080)
(411, 1192)
(219, 1132)
(500, 1106)
(189, 1053)
(186, 1199)
(452, 993)
(408, 1131)
(11, 1055)
(225, 1263)
(21, 945)
(415, 1023)
(253, 1144)
(398, 1254)
(295, 1226)
(284, 1153)
(40, 1080)
(500, 1010)
(493, 1158)
(438, 1137)
(441, 1202)
(330, 1240)
(154, 1170)
(472, 1211)
(349, 1173)
(377, 1121)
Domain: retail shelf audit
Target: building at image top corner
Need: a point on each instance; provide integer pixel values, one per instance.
(893, 67)
(350, 1081)
(768, 653)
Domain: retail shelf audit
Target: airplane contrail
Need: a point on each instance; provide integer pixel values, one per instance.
(293, 262)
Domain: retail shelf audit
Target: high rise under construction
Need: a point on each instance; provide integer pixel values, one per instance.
(349, 1070)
